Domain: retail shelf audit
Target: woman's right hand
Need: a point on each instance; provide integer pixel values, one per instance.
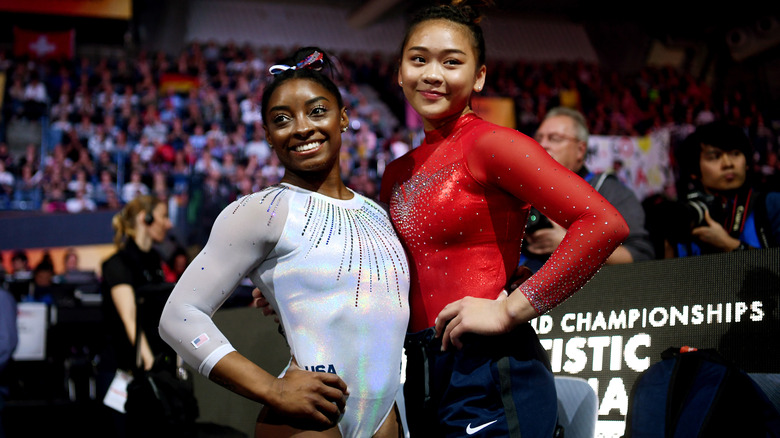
(308, 400)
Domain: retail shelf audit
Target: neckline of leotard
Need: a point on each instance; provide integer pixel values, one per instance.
(445, 131)
(356, 201)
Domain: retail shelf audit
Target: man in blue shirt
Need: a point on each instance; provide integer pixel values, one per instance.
(720, 209)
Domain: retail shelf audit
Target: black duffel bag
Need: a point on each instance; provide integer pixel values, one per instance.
(161, 401)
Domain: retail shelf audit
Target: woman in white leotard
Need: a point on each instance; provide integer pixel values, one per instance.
(330, 264)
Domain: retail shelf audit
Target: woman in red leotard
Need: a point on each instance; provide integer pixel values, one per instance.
(459, 202)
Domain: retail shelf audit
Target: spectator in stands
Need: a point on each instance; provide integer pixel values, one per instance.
(177, 137)
(106, 161)
(397, 145)
(134, 129)
(564, 135)
(20, 265)
(154, 129)
(54, 198)
(80, 181)
(31, 157)
(15, 105)
(27, 190)
(198, 138)
(105, 185)
(35, 97)
(70, 261)
(145, 150)
(84, 129)
(18, 278)
(5, 155)
(72, 272)
(9, 338)
(258, 147)
(207, 163)
(42, 289)
(100, 141)
(113, 202)
(80, 202)
(7, 182)
(134, 187)
(720, 209)
(250, 110)
(84, 161)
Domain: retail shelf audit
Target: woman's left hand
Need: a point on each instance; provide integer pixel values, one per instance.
(472, 315)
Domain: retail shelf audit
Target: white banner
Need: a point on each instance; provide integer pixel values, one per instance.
(641, 163)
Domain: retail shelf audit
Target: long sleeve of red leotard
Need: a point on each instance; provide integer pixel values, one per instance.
(518, 165)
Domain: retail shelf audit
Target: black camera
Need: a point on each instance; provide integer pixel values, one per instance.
(678, 218)
(696, 205)
(536, 221)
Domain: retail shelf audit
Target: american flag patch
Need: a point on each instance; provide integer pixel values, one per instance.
(200, 340)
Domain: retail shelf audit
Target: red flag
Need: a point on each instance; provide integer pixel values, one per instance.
(44, 44)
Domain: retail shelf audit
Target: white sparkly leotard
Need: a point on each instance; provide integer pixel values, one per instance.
(334, 272)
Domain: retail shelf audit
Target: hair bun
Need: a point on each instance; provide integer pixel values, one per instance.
(470, 9)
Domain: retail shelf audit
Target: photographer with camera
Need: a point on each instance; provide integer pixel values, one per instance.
(719, 209)
(564, 135)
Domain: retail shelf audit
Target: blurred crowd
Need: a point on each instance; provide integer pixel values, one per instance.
(187, 127)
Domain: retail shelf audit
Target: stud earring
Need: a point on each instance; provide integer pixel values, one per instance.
(401, 83)
(344, 129)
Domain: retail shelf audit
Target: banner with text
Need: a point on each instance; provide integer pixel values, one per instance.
(620, 322)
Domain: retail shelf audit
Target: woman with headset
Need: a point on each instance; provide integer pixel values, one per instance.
(134, 271)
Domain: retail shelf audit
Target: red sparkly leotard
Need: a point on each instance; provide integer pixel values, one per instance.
(460, 201)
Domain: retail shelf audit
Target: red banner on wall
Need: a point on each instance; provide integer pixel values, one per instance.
(44, 45)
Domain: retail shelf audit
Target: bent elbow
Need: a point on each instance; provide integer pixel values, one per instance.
(621, 229)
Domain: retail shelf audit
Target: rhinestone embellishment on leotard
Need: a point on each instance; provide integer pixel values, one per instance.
(368, 238)
(405, 198)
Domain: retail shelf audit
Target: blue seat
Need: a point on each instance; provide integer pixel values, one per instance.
(578, 407)
(770, 384)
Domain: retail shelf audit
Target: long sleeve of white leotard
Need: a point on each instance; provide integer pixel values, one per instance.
(241, 238)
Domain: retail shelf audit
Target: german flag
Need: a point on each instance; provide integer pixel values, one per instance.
(177, 82)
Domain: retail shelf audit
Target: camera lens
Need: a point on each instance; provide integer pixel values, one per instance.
(696, 211)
